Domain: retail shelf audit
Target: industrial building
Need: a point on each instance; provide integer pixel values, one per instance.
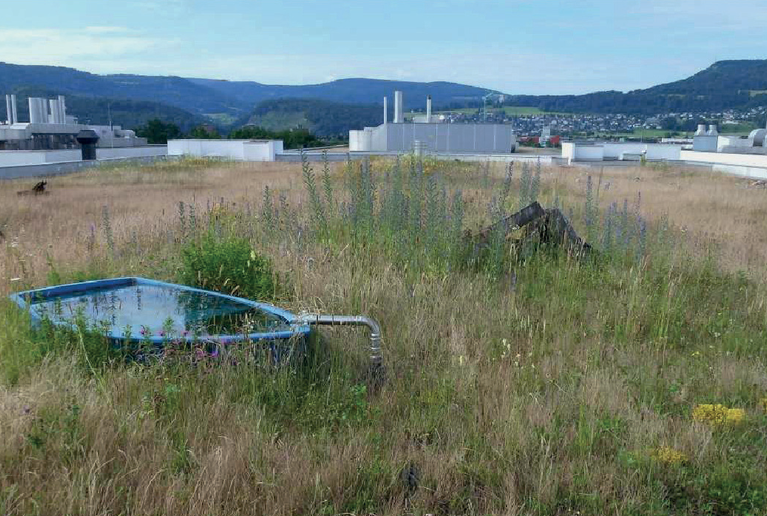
(431, 134)
(709, 140)
(50, 128)
(237, 150)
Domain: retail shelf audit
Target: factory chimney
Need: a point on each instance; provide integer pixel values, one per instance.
(62, 110)
(428, 109)
(9, 116)
(712, 130)
(701, 130)
(32, 110)
(386, 110)
(14, 112)
(54, 118)
(398, 115)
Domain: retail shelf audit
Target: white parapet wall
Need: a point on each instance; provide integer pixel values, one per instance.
(42, 157)
(23, 158)
(150, 151)
(574, 151)
(746, 165)
(237, 150)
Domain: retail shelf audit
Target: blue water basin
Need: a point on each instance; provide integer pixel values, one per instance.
(138, 309)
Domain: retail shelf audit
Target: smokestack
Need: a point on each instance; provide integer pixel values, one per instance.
(42, 111)
(32, 110)
(428, 109)
(8, 112)
(701, 130)
(63, 109)
(712, 130)
(386, 110)
(14, 112)
(54, 105)
(398, 115)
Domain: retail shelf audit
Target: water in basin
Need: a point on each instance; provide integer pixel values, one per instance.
(156, 309)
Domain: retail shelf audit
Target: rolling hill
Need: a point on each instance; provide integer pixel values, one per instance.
(213, 97)
(349, 103)
(323, 118)
(724, 85)
(351, 91)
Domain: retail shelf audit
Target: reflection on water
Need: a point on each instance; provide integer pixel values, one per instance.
(157, 307)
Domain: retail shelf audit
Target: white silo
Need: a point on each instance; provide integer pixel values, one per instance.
(386, 111)
(398, 111)
(14, 112)
(62, 110)
(428, 109)
(8, 111)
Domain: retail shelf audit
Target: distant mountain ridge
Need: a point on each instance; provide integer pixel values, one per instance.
(350, 91)
(724, 85)
(735, 84)
(235, 99)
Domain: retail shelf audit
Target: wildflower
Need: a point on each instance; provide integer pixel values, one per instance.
(718, 414)
(161, 333)
(695, 354)
(763, 403)
(668, 455)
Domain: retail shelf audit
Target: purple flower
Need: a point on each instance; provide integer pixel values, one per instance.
(143, 331)
(161, 333)
(214, 353)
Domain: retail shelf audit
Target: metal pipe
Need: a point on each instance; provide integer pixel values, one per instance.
(350, 320)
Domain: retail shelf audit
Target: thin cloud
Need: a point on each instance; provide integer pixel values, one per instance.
(75, 48)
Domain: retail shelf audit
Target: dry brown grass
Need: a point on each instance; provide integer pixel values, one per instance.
(712, 208)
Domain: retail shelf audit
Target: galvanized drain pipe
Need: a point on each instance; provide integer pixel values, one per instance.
(350, 320)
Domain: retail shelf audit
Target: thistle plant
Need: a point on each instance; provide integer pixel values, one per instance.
(525, 184)
(319, 220)
(106, 225)
(327, 185)
(182, 217)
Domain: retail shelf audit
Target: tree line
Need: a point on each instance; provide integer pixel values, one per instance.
(159, 132)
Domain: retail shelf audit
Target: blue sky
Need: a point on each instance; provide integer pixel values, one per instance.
(516, 46)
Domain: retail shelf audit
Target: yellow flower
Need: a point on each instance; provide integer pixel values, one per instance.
(763, 403)
(718, 414)
(668, 455)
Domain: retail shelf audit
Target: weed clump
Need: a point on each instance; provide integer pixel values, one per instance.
(228, 264)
